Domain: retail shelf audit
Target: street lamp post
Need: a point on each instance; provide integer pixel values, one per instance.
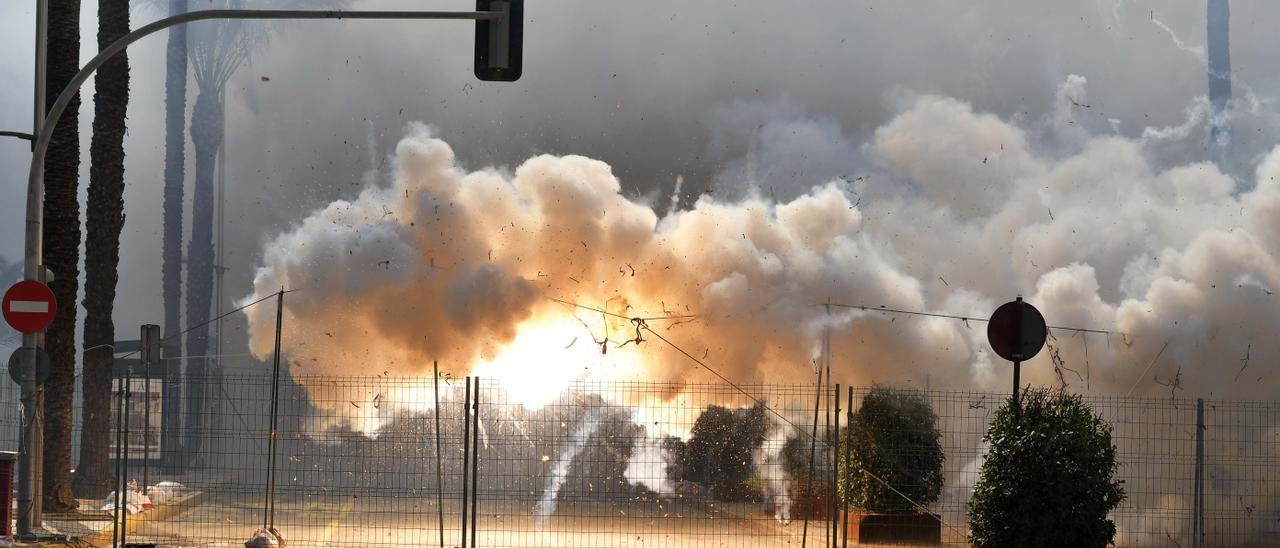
(29, 484)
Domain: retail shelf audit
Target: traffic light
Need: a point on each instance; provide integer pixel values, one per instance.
(500, 42)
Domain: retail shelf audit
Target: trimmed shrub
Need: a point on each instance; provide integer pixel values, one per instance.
(1049, 478)
(896, 451)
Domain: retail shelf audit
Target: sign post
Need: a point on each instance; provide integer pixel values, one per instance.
(1017, 332)
(29, 307)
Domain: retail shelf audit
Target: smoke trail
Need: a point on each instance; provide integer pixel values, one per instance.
(1218, 23)
(769, 465)
(546, 506)
(675, 196)
(648, 466)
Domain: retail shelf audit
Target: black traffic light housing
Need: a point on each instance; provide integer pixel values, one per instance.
(500, 42)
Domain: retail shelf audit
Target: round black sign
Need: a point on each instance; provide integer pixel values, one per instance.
(1017, 331)
(22, 358)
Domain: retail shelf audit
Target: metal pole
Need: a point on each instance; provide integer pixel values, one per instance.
(42, 67)
(1017, 372)
(466, 459)
(813, 449)
(435, 367)
(124, 477)
(475, 466)
(219, 270)
(150, 339)
(29, 483)
(1017, 345)
(33, 250)
(848, 445)
(827, 397)
(37, 459)
(119, 479)
(1197, 518)
(835, 479)
(269, 505)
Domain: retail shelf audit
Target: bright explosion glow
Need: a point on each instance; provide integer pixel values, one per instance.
(550, 354)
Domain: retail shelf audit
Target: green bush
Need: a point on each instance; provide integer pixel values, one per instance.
(894, 437)
(1049, 478)
(718, 453)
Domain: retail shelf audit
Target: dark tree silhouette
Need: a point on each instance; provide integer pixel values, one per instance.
(175, 158)
(217, 49)
(105, 216)
(718, 453)
(62, 253)
(895, 457)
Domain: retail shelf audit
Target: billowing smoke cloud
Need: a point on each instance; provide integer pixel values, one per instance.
(957, 212)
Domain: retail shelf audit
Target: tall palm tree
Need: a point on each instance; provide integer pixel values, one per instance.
(175, 158)
(105, 217)
(62, 253)
(217, 50)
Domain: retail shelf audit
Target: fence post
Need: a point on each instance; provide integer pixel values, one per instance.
(475, 467)
(150, 339)
(835, 473)
(123, 508)
(466, 460)
(435, 366)
(119, 479)
(848, 448)
(810, 504)
(269, 505)
(1197, 518)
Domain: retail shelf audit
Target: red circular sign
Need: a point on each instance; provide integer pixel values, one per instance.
(29, 306)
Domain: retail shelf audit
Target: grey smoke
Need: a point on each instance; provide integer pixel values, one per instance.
(299, 141)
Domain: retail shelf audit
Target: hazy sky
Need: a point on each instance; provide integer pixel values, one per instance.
(656, 89)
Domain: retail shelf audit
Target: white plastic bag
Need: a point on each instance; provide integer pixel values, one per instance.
(134, 501)
(270, 538)
(165, 491)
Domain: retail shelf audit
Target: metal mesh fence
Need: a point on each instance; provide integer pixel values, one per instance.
(623, 463)
(639, 463)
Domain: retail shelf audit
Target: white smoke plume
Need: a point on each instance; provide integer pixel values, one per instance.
(962, 213)
(546, 505)
(769, 464)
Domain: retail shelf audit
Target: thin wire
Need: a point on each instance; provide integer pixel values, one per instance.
(240, 355)
(207, 322)
(883, 308)
(620, 316)
(1145, 371)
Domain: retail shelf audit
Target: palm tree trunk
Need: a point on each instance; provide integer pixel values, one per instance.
(175, 157)
(206, 135)
(62, 254)
(102, 251)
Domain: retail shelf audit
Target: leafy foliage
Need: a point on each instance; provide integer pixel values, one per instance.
(1049, 479)
(718, 453)
(894, 437)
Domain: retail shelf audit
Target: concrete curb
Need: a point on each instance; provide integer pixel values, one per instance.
(160, 512)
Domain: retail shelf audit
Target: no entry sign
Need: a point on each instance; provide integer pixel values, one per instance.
(29, 306)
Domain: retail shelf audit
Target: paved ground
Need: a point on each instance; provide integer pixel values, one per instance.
(226, 520)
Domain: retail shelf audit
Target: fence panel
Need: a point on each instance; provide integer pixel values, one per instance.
(641, 463)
